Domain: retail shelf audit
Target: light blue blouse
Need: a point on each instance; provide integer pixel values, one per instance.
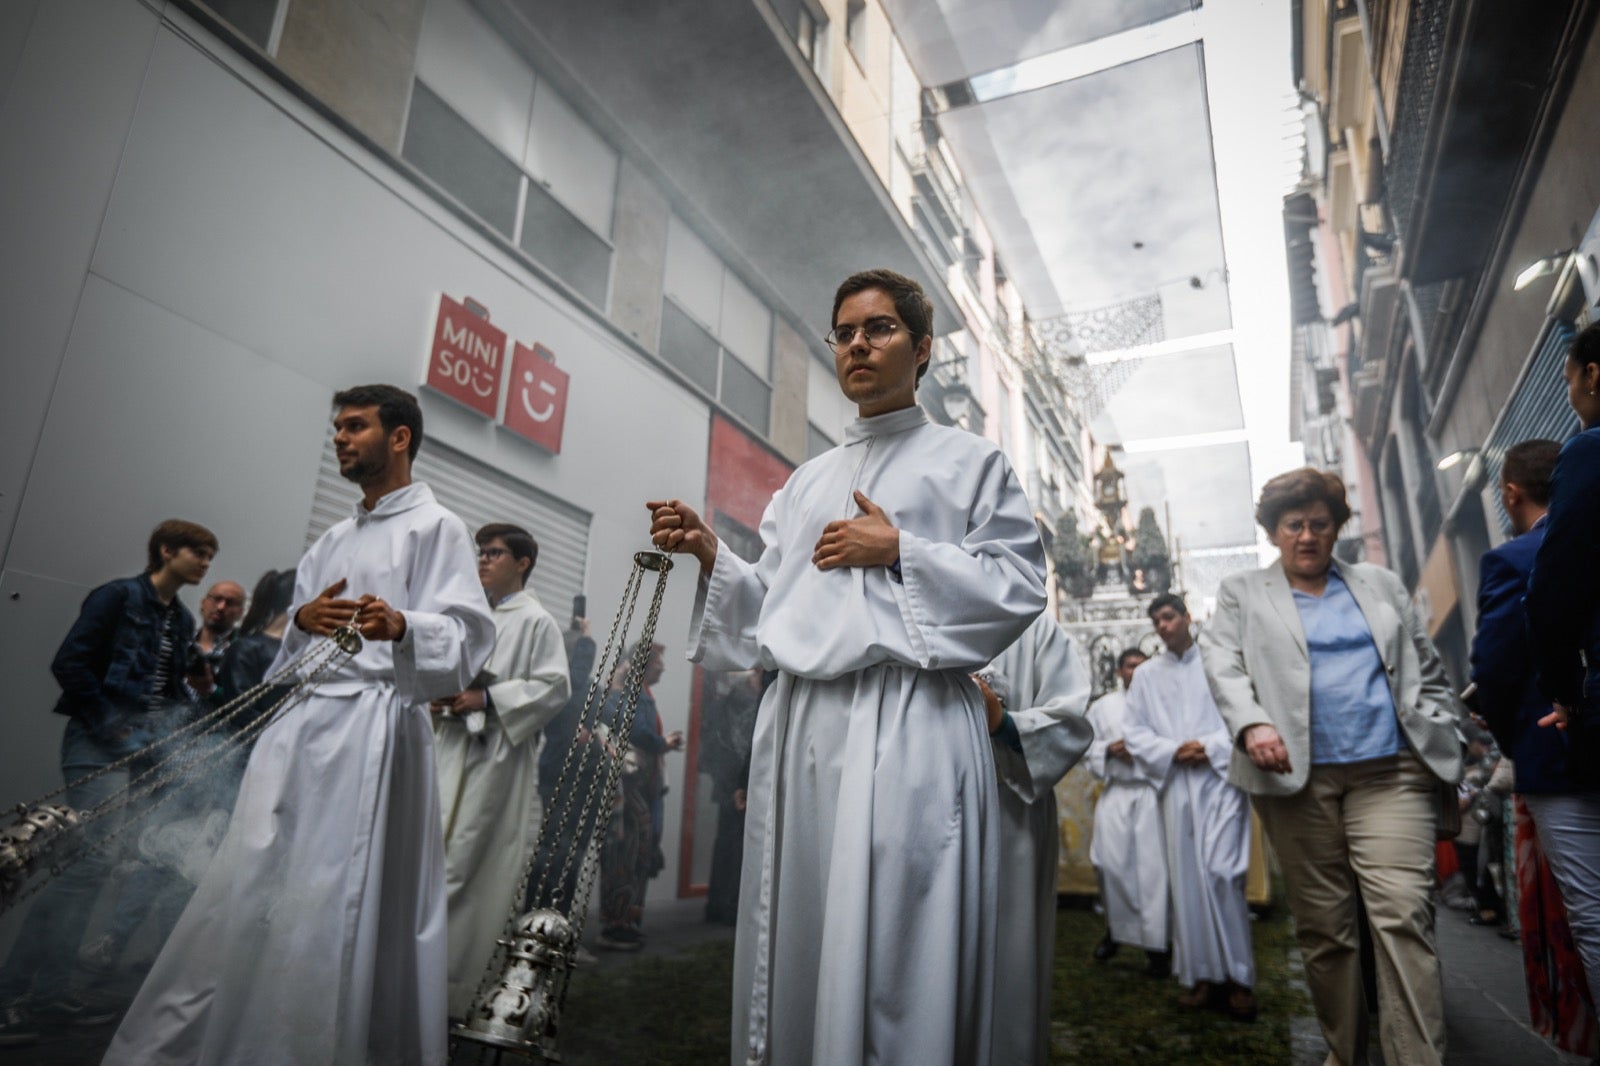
(1352, 710)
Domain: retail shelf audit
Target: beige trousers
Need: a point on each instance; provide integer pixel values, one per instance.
(1366, 827)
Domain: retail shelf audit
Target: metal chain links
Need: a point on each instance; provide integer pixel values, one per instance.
(176, 767)
(562, 824)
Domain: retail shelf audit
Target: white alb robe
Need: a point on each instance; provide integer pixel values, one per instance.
(1047, 688)
(1129, 846)
(317, 935)
(488, 783)
(1207, 819)
(867, 908)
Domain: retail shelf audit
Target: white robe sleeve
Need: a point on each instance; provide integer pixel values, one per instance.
(449, 631)
(526, 702)
(1097, 756)
(1152, 752)
(1219, 750)
(727, 604)
(1052, 726)
(963, 604)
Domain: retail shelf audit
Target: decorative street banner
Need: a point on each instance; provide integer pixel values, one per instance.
(465, 362)
(537, 406)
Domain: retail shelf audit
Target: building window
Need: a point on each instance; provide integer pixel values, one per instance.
(855, 29)
(817, 441)
(715, 330)
(811, 34)
(746, 395)
(554, 236)
(690, 348)
(253, 19)
(506, 145)
(443, 146)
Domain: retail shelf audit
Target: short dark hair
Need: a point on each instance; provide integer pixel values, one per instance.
(1301, 488)
(1167, 599)
(272, 596)
(911, 303)
(175, 533)
(517, 540)
(1130, 653)
(1585, 347)
(396, 408)
(1528, 465)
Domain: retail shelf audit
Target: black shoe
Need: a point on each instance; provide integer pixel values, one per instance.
(1104, 950)
(1158, 963)
(17, 1028)
(85, 1013)
(622, 938)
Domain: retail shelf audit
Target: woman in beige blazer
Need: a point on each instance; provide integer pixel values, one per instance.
(1344, 728)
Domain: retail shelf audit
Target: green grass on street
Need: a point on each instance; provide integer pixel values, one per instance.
(673, 1010)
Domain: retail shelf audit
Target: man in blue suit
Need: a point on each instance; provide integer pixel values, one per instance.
(1552, 774)
(1502, 653)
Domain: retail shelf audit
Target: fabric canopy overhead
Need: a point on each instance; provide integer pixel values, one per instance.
(1103, 187)
(1093, 169)
(1208, 490)
(1173, 396)
(950, 40)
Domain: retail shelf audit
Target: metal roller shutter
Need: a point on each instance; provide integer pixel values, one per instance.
(1538, 406)
(480, 494)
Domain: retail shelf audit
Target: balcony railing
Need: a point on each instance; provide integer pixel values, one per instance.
(1419, 81)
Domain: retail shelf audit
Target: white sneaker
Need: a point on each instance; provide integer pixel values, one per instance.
(584, 957)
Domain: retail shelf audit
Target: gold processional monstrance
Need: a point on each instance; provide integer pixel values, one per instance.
(517, 1009)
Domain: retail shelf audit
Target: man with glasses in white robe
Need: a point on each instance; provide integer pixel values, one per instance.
(893, 567)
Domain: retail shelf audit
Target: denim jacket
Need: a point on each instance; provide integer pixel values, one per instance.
(106, 664)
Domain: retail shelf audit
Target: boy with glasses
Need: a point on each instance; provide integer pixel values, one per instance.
(893, 567)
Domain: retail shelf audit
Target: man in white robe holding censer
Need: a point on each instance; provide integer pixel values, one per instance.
(893, 567)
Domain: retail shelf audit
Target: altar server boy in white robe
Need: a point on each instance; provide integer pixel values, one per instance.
(893, 567)
(317, 935)
(1176, 735)
(1129, 846)
(487, 740)
(1036, 693)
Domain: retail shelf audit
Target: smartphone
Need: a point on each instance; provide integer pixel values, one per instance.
(580, 607)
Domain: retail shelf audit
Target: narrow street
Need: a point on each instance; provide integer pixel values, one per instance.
(668, 1006)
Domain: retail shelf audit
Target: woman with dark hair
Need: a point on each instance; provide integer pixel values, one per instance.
(260, 636)
(1344, 728)
(1563, 605)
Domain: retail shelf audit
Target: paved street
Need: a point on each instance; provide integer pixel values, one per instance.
(684, 971)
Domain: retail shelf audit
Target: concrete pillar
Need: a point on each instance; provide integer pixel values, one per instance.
(789, 384)
(357, 57)
(639, 231)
